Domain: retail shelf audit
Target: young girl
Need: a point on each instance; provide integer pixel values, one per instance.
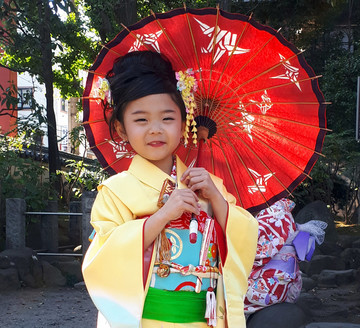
(141, 269)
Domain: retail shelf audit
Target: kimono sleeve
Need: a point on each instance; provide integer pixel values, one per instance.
(241, 234)
(113, 264)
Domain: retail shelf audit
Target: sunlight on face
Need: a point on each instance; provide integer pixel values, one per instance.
(153, 127)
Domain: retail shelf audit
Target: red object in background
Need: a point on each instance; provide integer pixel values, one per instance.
(257, 96)
(7, 117)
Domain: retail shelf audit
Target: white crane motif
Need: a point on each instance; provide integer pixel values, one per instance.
(120, 149)
(260, 182)
(150, 39)
(246, 121)
(266, 103)
(291, 72)
(225, 42)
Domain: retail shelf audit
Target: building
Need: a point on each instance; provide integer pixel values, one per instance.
(7, 117)
(29, 89)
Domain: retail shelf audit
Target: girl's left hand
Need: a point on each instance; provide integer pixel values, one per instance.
(198, 179)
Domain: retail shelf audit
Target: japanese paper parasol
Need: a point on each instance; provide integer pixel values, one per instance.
(256, 95)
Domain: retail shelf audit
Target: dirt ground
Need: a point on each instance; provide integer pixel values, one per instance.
(72, 307)
(63, 307)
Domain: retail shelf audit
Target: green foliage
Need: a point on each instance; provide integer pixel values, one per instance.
(344, 67)
(335, 177)
(8, 99)
(107, 16)
(79, 177)
(22, 177)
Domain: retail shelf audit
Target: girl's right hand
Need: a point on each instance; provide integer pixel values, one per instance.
(180, 201)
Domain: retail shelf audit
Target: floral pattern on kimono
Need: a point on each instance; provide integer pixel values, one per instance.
(275, 276)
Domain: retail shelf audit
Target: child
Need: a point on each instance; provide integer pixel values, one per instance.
(141, 270)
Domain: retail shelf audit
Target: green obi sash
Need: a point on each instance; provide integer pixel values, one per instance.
(175, 306)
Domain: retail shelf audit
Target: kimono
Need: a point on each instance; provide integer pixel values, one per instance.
(282, 244)
(116, 268)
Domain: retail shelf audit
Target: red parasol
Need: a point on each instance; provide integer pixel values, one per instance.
(256, 94)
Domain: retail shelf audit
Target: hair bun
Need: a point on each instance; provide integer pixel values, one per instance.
(139, 74)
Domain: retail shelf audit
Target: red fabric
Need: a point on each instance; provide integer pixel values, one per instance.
(221, 242)
(252, 85)
(271, 281)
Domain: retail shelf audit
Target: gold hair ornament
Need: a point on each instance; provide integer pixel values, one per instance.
(187, 85)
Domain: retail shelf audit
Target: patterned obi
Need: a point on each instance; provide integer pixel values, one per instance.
(184, 270)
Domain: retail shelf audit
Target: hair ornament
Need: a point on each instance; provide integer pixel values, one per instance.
(103, 90)
(187, 85)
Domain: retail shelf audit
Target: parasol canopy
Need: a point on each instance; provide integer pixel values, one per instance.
(257, 99)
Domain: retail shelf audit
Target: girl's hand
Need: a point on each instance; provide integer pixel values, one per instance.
(198, 179)
(180, 201)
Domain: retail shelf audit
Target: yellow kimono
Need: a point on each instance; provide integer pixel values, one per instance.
(115, 271)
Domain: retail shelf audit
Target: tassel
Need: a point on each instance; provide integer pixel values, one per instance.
(165, 248)
(210, 313)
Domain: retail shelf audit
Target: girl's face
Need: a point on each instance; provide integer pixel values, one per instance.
(153, 127)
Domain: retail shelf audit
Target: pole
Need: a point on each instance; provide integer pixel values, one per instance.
(358, 111)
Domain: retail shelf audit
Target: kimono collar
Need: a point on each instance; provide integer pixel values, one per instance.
(151, 175)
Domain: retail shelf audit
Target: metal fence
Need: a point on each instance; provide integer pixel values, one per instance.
(79, 223)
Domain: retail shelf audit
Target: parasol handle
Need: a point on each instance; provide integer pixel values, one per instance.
(193, 228)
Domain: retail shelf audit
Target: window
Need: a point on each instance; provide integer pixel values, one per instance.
(63, 105)
(25, 98)
(63, 138)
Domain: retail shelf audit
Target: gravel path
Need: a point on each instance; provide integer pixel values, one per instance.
(47, 307)
(67, 307)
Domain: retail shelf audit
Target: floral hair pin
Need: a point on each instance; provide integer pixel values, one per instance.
(187, 85)
(103, 90)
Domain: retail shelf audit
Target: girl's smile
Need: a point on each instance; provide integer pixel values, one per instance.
(153, 127)
(156, 143)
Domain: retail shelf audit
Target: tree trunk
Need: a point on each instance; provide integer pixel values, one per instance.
(225, 5)
(126, 12)
(47, 75)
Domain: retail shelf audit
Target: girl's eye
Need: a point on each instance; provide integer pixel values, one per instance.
(140, 120)
(168, 119)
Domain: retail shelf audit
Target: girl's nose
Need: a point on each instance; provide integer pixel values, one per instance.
(155, 127)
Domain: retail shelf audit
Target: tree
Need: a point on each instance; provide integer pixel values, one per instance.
(34, 39)
(107, 16)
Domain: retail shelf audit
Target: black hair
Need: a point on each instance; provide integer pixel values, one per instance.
(139, 74)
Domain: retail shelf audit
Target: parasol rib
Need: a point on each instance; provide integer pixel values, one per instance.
(272, 87)
(111, 50)
(168, 38)
(282, 85)
(95, 73)
(196, 54)
(231, 174)
(291, 103)
(212, 53)
(104, 142)
(212, 158)
(277, 153)
(92, 122)
(286, 119)
(282, 137)
(135, 36)
(119, 159)
(234, 91)
(94, 98)
(259, 75)
(276, 117)
(247, 170)
(263, 163)
(253, 56)
(217, 83)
